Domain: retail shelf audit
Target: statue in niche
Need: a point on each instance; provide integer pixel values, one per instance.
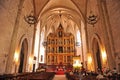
(60, 33)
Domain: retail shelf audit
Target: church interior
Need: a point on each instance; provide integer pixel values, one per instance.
(59, 37)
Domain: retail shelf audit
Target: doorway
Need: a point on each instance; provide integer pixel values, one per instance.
(98, 59)
(23, 58)
(97, 55)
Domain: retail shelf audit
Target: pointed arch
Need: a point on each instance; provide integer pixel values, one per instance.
(22, 51)
(98, 52)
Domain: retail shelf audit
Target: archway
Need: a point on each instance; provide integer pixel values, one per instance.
(23, 52)
(97, 54)
(70, 17)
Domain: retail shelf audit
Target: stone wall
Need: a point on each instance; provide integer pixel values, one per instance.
(7, 20)
(113, 7)
(13, 29)
(106, 29)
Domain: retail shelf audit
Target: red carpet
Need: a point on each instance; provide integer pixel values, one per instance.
(60, 72)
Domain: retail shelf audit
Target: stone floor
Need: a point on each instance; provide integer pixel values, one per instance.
(59, 77)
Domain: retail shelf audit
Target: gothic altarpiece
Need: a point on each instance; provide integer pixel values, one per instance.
(60, 48)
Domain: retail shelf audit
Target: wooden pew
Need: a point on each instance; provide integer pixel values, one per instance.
(28, 76)
(42, 76)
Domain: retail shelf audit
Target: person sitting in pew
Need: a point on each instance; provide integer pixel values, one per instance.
(99, 76)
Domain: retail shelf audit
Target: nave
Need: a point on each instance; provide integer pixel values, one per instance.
(58, 35)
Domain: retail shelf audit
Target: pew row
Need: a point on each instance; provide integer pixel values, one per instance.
(28, 76)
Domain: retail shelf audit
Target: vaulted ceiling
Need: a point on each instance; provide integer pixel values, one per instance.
(51, 13)
(40, 4)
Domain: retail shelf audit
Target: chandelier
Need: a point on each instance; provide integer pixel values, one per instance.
(92, 18)
(30, 19)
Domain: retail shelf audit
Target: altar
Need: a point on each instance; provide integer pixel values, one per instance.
(60, 70)
(60, 47)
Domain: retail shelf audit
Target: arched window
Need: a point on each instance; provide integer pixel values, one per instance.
(78, 42)
(42, 49)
